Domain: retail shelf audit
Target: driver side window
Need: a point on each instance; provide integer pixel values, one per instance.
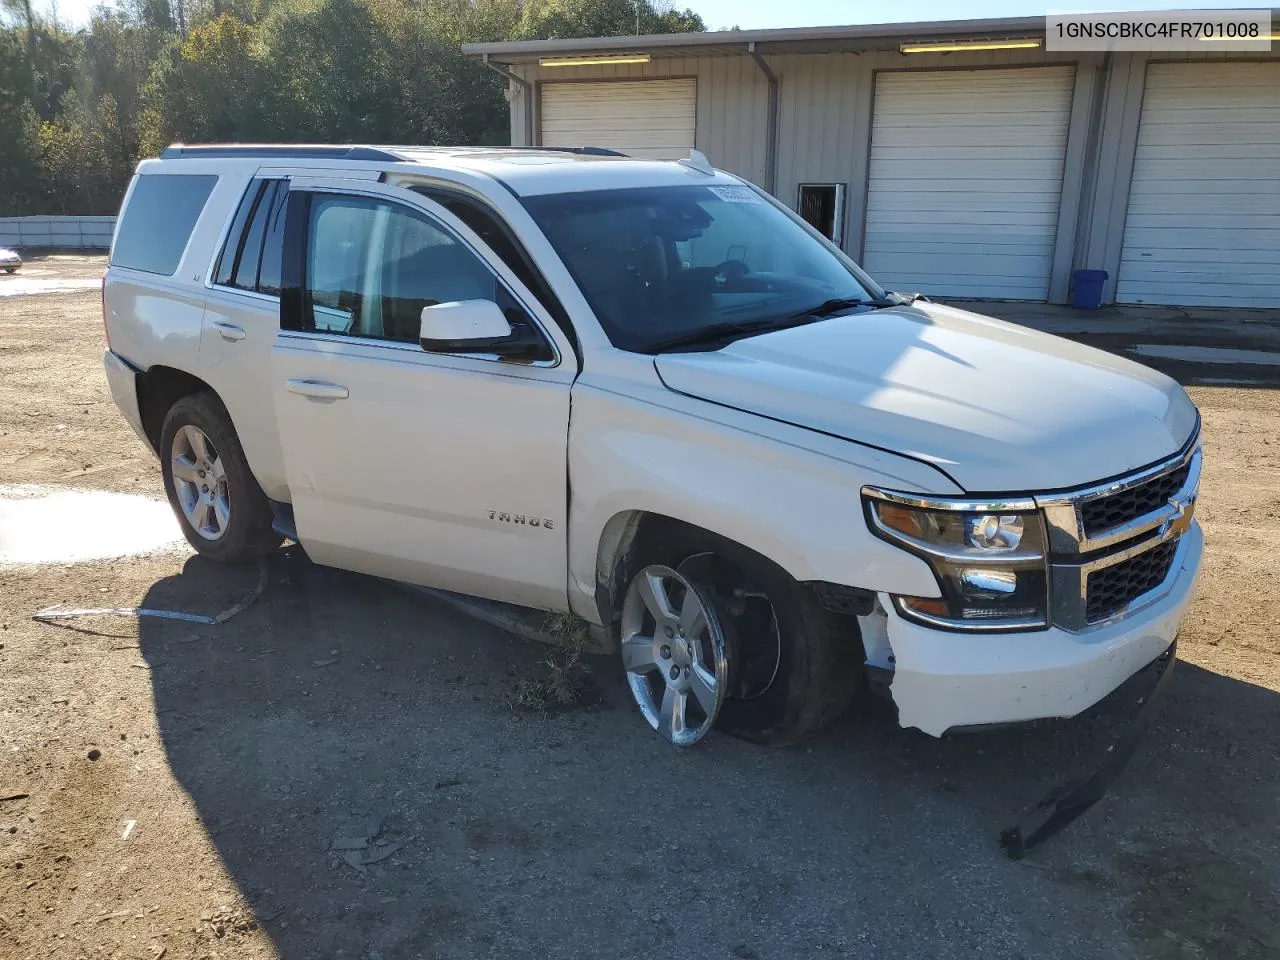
(372, 266)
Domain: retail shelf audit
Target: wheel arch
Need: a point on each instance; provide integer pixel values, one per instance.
(159, 388)
(820, 651)
(623, 533)
(628, 530)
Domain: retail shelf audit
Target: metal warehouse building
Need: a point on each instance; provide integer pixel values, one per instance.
(991, 168)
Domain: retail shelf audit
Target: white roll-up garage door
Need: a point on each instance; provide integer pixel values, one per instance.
(965, 180)
(1203, 227)
(650, 119)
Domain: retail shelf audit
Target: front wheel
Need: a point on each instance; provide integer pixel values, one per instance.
(222, 511)
(10, 269)
(713, 634)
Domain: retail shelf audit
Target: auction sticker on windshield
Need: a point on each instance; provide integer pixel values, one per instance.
(736, 194)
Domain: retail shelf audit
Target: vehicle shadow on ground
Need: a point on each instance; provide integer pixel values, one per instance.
(340, 710)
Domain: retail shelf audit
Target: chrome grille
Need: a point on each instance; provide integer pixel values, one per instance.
(1113, 588)
(1113, 546)
(1104, 513)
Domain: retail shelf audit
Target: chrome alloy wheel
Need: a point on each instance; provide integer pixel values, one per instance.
(200, 482)
(673, 651)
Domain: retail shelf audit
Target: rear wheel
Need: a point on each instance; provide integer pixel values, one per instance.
(223, 512)
(713, 634)
(10, 269)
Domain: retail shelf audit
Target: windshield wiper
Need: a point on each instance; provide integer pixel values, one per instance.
(732, 331)
(729, 331)
(836, 304)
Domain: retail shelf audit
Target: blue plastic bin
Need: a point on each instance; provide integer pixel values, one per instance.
(1086, 289)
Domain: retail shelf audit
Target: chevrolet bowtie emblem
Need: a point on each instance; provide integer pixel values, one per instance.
(1181, 519)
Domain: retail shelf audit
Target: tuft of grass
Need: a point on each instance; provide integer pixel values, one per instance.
(558, 681)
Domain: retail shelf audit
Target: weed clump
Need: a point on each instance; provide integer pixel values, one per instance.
(560, 680)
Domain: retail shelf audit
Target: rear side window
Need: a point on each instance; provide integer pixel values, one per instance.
(273, 245)
(157, 223)
(250, 255)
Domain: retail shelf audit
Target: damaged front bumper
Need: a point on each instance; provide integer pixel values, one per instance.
(943, 681)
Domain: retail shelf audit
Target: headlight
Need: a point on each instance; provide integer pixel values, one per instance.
(989, 559)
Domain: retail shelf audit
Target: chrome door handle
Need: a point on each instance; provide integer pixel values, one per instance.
(229, 331)
(318, 389)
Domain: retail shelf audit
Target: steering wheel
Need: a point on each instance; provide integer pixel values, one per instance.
(729, 271)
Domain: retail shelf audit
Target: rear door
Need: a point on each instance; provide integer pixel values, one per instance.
(241, 318)
(444, 470)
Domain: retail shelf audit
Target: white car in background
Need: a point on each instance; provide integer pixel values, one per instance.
(9, 260)
(647, 393)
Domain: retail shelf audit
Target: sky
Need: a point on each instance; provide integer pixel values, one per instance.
(761, 14)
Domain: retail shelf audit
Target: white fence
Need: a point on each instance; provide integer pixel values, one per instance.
(79, 233)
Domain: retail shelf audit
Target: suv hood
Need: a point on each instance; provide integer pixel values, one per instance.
(998, 407)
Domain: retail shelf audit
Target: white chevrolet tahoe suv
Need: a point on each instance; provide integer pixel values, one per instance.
(648, 394)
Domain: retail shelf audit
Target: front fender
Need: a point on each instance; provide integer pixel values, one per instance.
(784, 492)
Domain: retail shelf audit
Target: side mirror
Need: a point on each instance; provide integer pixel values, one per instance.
(480, 326)
(463, 326)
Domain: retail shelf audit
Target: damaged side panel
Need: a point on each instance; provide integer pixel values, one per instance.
(796, 506)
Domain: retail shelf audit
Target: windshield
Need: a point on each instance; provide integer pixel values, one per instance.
(661, 264)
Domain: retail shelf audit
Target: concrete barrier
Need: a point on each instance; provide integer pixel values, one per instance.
(74, 233)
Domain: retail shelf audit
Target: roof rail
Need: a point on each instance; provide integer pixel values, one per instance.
(264, 150)
(585, 151)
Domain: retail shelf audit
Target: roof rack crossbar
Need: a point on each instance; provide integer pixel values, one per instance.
(275, 151)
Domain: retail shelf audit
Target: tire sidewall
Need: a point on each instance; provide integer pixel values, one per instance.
(798, 701)
(766, 717)
(238, 542)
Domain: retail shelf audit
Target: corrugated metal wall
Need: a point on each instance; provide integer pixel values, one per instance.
(732, 107)
(826, 102)
(1106, 196)
(824, 114)
(1203, 222)
(649, 119)
(966, 180)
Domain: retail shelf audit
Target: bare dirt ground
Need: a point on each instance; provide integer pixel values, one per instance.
(54, 273)
(230, 759)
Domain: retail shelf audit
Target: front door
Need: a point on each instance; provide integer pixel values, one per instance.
(440, 469)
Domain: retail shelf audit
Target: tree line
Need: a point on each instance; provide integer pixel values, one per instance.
(79, 108)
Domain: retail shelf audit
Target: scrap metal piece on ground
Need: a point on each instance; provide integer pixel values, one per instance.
(57, 612)
(360, 847)
(381, 853)
(1069, 800)
(350, 843)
